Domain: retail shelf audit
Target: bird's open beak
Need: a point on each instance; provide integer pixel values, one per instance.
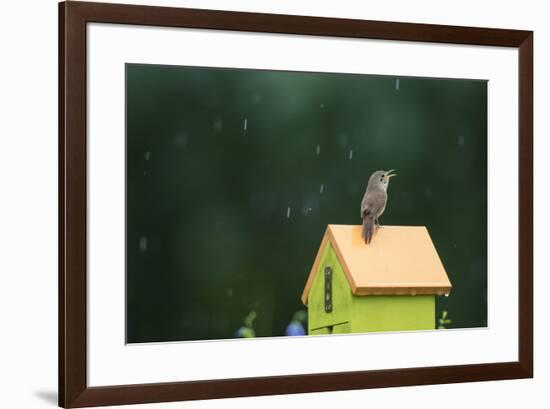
(389, 173)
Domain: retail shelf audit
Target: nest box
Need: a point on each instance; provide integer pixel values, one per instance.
(387, 285)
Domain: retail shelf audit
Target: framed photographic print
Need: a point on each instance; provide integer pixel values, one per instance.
(254, 204)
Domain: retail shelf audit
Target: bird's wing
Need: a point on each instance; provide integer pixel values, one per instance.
(364, 204)
(373, 203)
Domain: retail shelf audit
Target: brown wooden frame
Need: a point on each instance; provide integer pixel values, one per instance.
(73, 388)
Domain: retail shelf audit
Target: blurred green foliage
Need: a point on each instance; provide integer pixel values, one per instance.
(232, 176)
(444, 321)
(247, 331)
(298, 325)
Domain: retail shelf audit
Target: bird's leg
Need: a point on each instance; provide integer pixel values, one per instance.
(377, 223)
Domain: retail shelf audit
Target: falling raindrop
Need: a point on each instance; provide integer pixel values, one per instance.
(145, 173)
(350, 154)
(397, 84)
(321, 106)
(147, 155)
(461, 141)
(318, 150)
(288, 213)
(230, 292)
(245, 125)
(322, 188)
(143, 244)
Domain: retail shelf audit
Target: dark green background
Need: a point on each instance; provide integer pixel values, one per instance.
(208, 237)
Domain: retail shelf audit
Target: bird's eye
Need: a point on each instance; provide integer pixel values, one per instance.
(381, 179)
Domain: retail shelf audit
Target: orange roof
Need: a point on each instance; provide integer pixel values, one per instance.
(399, 260)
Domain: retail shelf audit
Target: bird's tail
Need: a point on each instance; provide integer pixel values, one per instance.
(368, 229)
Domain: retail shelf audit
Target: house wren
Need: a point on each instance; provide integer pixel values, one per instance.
(374, 202)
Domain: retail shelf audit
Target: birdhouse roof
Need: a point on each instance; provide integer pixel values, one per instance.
(400, 260)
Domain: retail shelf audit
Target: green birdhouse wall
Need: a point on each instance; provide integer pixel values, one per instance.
(388, 285)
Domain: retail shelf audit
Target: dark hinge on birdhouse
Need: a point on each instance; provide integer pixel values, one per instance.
(328, 289)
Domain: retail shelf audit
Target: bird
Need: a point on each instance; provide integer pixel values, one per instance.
(374, 201)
